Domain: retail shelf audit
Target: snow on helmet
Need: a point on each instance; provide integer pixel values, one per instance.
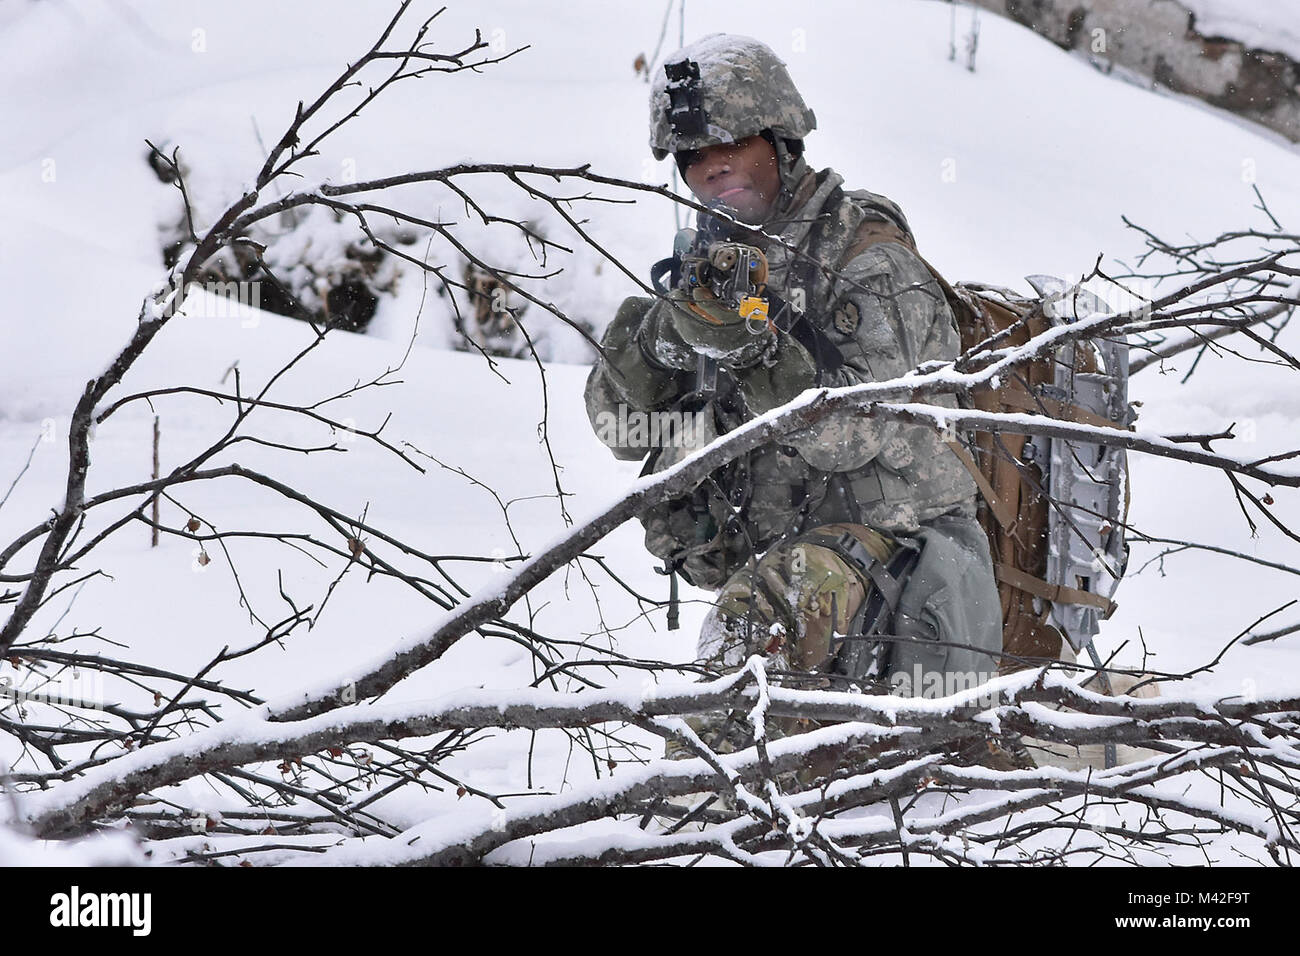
(721, 89)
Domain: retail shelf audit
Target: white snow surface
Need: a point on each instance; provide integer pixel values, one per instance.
(1258, 24)
(114, 848)
(1000, 178)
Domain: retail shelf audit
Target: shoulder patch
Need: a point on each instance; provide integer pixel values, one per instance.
(846, 318)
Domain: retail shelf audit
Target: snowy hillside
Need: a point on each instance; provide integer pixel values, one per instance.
(1000, 179)
(1260, 26)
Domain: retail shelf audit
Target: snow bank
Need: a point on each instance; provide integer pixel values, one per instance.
(1257, 25)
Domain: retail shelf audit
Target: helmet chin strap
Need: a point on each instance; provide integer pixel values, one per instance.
(791, 169)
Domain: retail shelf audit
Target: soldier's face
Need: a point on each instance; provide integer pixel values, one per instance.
(743, 175)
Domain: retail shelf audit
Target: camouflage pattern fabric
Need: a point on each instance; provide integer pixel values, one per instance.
(787, 608)
(755, 529)
(883, 312)
(747, 89)
(793, 607)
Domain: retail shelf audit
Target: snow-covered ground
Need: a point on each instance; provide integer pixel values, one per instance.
(1000, 178)
(1257, 24)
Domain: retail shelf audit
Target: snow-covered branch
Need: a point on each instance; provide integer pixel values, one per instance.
(314, 766)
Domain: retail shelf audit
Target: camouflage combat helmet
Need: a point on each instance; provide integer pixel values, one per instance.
(721, 89)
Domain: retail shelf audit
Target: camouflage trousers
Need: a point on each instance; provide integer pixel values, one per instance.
(793, 606)
(786, 608)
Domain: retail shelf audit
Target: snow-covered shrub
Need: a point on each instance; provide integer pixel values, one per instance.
(311, 263)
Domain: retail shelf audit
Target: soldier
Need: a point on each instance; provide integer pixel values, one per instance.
(848, 554)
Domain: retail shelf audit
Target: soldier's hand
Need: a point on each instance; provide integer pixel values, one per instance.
(722, 333)
(662, 343)
(778, 378)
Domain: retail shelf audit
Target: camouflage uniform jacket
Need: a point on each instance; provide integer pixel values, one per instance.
(885, 314)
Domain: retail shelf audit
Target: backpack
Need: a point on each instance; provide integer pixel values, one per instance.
(1056, 567)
